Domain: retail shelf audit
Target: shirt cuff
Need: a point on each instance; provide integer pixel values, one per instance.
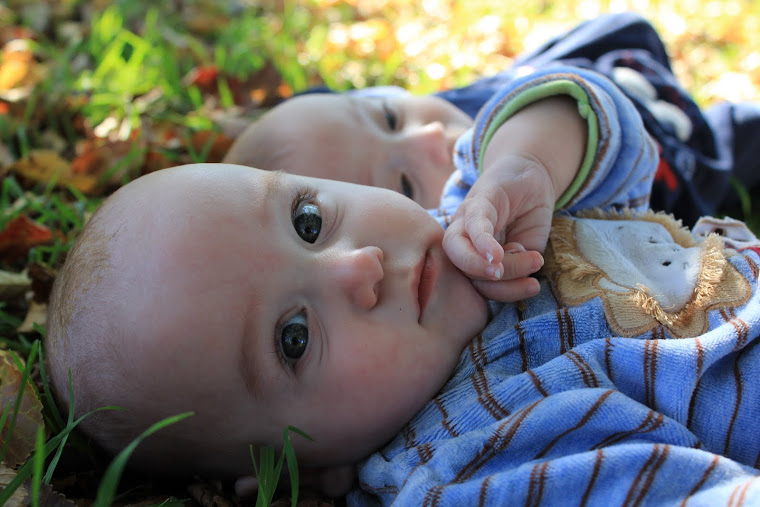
(542, 91)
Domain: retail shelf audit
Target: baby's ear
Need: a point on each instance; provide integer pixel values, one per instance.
(332, 481)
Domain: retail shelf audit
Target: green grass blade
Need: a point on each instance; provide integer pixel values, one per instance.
(290, 455)
(19, 397)
(54, 412)
(26, 470)
(38, 461)
(110, 481)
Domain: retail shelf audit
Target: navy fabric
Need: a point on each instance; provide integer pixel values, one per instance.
(694, 179)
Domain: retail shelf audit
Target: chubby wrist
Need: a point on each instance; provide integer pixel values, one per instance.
(552, 124)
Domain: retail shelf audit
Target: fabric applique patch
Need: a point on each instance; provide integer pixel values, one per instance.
(647, 269)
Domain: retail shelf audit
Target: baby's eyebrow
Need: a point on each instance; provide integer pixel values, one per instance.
(250, 364)
(272, 186)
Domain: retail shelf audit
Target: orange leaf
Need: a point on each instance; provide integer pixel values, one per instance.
(21, 441)
(204, 77)
(21, 235)
(44, 166)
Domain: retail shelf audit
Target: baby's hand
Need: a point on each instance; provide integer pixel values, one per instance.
(501, 228)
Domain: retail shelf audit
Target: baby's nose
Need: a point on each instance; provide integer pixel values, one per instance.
(430, 143)
(358, 273)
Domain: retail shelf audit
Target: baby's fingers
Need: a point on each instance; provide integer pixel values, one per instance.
(479, 227)
(518, 263)
(507, 291)
(462, 253)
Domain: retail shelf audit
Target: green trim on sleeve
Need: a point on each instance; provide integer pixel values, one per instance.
(542, 91)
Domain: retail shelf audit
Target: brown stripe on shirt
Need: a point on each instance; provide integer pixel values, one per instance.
(485, 397)
(445, 422)
(740, 326)
(737, 403)
(484, 491)
(650, 367)
(702, 481)
(566, 330)
(587, 373)
(499, 441)
(594, 474)
(433, 496)
(738, 494)
(646, 474)
(752, 266)
(700, 363)
(537, 481)
(651, 422)
(537, 382)
(586, 417)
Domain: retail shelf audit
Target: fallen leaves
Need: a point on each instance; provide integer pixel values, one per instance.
(19, 497)
(21, 235)
(19, 443)
(13, 285)
(47, 166)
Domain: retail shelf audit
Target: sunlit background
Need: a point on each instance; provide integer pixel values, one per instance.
(94, 93)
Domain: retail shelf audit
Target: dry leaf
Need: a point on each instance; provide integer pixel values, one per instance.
(19, 236)
(51, 498)
(36, 314)
(208, 495)
(96, 157)
(18, 497)
(42, 281)
(44, 166)
(22, 440)
(13, 285)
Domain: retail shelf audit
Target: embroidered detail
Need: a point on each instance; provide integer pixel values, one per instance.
(683, 297)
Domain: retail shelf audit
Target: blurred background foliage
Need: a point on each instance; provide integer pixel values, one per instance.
(94, 93)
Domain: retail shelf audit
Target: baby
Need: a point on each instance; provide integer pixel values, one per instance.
(386, 137)
(257, 299)
(261, 299)
(400, 142)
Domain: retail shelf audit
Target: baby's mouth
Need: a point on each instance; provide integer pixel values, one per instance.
(426, 282)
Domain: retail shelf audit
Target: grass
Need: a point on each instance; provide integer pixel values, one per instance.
(116, 89)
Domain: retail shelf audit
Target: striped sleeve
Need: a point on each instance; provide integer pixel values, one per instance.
(620, 160)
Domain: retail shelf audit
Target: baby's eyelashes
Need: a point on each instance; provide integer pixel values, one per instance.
(406, 187)
(293, 338)
(307, 218)
(390, 117)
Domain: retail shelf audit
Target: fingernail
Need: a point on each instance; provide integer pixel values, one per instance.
(513, 251)
(489, 257)
(494, 272)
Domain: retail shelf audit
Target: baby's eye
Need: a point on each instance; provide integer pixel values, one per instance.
(390, 117)
(294, 338)
(307, 221)
(406, 187)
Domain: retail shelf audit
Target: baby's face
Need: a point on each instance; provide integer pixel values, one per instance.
(262, 299)
(402, 143)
